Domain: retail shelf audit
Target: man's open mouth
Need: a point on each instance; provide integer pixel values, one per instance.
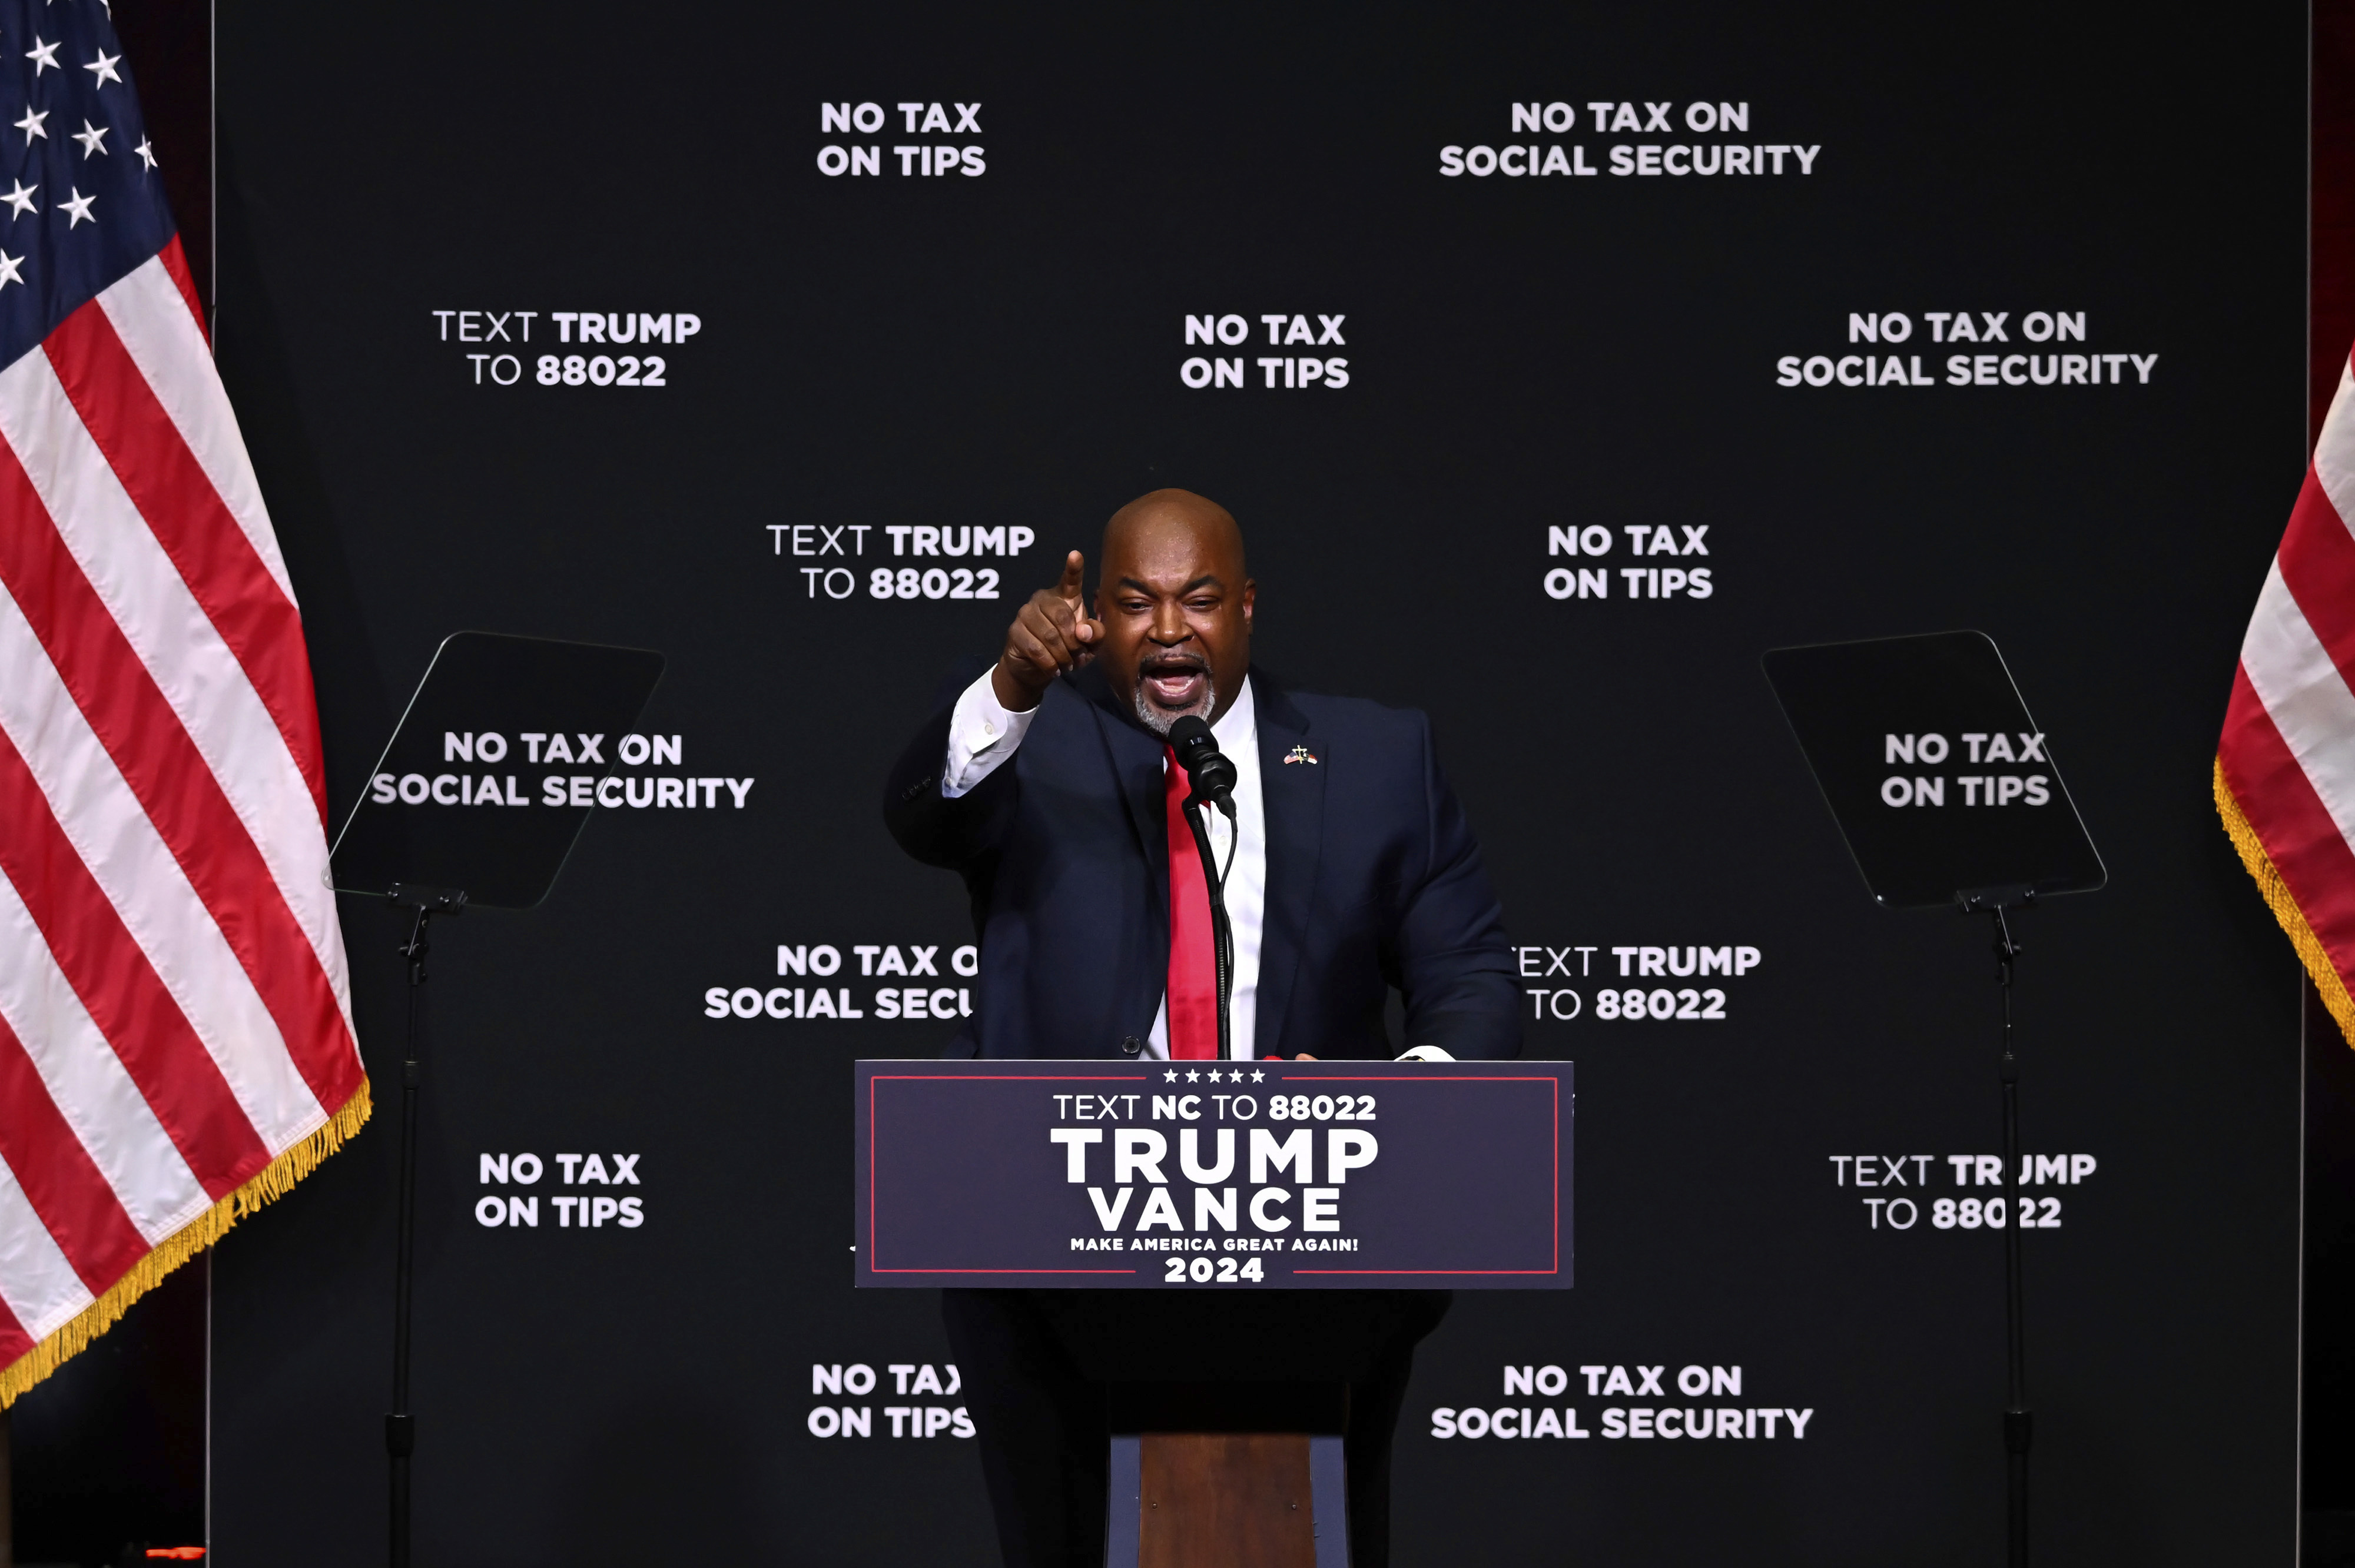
(1174, 684)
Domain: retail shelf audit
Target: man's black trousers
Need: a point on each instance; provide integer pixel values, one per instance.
(1036, 1366)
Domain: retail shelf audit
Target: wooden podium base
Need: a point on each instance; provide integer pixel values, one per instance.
(1239, 1497)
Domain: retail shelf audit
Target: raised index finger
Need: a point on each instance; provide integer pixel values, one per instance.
(1074, 572)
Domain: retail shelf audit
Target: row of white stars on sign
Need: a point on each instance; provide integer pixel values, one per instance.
(1235, 1077)
(91, 137)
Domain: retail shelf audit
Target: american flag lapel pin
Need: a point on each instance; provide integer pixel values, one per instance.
(1298, 754)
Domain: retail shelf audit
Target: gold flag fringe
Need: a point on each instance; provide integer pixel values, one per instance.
(2327, 978)
(275, 1181)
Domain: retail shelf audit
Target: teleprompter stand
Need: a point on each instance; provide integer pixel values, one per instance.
(2016, 1421)
(1947, 796)
(399, 1425)
(453, 818)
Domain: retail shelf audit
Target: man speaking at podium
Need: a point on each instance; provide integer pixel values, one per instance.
(1049, 784)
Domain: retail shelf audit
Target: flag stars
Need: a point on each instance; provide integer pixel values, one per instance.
(20, 200)
(43, 55)
(31, 125)
(146, 151)
(92, 139)
(1256, 1076)
(104, 68)
(1193, 1077)
(11, 270)
(80, 207)
(1171, 1077)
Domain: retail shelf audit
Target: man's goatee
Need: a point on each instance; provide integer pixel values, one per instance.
(1159, 722)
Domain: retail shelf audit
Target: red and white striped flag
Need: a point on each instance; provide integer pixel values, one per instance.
(2285, 765)
(176, 1037)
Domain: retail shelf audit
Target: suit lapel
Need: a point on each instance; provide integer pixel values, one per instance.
(1135, 760)
(1292, 797)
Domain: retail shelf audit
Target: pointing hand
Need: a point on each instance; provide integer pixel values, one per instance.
(1051, 633)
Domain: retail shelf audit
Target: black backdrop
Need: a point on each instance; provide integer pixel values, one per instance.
(1004, 349)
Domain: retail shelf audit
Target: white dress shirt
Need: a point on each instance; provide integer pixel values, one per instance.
(982, 733)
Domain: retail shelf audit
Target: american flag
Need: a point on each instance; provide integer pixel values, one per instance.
(176, 1037)
(2285, 767)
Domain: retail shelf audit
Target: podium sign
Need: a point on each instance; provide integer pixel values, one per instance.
(1215, 1175)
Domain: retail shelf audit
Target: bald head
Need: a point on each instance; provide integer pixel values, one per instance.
(1162, 511)
(1176, 607)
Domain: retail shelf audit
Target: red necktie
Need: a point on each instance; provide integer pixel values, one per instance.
(1193, 961)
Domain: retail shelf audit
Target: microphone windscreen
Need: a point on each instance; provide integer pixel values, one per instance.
(1190, 733)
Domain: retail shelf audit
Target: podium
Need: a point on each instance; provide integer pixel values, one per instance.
(1227, 1249)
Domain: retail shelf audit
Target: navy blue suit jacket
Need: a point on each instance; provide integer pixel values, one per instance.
(1373, 880)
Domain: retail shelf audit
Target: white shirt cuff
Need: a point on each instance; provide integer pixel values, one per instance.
(983, 732)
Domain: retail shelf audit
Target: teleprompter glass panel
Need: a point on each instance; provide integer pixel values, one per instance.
(1940, 782)
(495, 767)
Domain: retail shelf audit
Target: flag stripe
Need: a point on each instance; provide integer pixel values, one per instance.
(174, 637)
(36, 1280)
(2317, 563)
(115, 847)
(155, 314)
(175, 262)
(59, 1179)
(183, 799)
(14, 1340)
(2285, 761)
(2334, 449)
(112, 846)
(144, 1023)
(88, 1081)
(189, 518)
(2304, 697)
(2307, 848)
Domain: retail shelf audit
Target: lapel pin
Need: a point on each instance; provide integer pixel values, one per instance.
(1298, 754)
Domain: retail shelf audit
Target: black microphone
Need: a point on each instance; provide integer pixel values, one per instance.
(1211, 774)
